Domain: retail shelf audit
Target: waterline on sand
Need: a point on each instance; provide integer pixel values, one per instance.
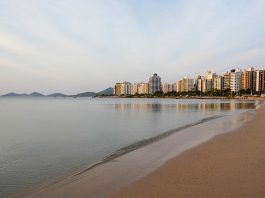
(119, 170)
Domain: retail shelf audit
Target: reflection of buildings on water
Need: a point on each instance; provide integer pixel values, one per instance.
(139, 107)
(201, 106)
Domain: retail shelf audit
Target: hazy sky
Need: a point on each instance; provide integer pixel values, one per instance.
(73, 46)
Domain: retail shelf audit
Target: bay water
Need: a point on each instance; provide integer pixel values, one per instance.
(42, 138)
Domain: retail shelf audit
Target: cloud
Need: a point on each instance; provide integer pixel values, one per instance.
(88, 45)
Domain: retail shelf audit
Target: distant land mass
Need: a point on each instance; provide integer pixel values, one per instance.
(85, 94)
(105, 92)
(33, 94)
(108, 91)
(36, 94)
(57, 95)
(12, 94)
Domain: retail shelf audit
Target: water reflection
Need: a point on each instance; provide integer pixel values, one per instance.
(200, 106)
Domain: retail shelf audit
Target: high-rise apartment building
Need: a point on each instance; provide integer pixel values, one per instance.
(196, 82)
(202, 84)
(248, 80)
(235, 80)
(218, 83)
(143, 88)
(209, 85)
(134, 89)
(210, 80)
(178, 86)
(167, 87)
(155, 84)
(118, 89)
(199, 84)
(126, 88)
(210, 75)
(174, 87)
(227, 81)
(187, 84)
(260, 81)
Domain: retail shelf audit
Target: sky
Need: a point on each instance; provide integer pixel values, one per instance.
(73, 46)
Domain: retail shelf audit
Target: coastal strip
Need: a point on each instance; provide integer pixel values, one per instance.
(120, 171)
(230, 165)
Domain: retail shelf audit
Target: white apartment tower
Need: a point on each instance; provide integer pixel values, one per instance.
(134, 89)
(126, 88)
(235, 80)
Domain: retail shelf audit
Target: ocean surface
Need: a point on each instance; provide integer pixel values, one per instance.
(43, 138)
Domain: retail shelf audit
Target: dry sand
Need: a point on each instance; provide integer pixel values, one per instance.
(230, 165)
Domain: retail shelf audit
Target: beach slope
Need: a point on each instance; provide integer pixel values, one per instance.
(230, 165)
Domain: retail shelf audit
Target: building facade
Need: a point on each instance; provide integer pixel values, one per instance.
(143, 88)
(187, 84)
(178, 86)
(155, 84)
(210, 80)
(134, 89)
(166, 88)
(196, 82)
(126, 88)
(218, 83)
(248, 80)
(199, 84)
(260, 81)
(174, 87)
(235, 80)
(118, 89)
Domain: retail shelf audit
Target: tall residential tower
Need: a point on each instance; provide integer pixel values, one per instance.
(155, 84)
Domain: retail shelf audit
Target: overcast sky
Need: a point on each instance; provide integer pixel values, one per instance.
(74, 46)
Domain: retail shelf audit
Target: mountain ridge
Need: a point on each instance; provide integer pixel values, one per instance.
(107, 91)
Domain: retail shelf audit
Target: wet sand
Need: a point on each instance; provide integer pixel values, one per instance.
(230, 165)
(147, 171)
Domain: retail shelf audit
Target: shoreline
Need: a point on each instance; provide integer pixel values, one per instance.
(77, 184)
(229, 165)
(145, 142)
(261, 98)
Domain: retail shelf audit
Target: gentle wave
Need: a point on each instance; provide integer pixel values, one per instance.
(145, 142)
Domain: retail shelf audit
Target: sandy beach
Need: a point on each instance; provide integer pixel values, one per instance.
(199, 161)
(230, 165)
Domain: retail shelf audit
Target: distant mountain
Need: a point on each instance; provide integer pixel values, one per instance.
(36, 94)
(105, 92)
(108, 91)
(85, 94)
(57, 95)
(12, 94)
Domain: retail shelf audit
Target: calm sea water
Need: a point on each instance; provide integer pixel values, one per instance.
(41, 138)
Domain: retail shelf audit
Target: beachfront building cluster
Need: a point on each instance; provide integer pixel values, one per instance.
(152, 86)
(235, 81)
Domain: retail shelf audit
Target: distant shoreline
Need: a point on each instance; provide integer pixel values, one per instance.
(155, 97)
(191, 97)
